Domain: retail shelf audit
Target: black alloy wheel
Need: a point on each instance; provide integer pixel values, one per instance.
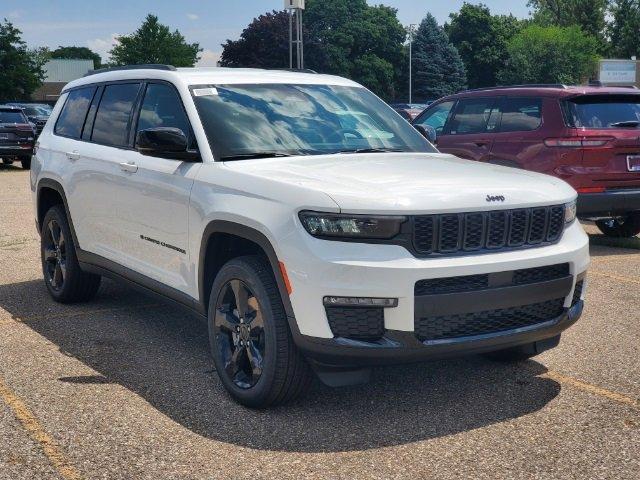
(55, 255)
(240, 334)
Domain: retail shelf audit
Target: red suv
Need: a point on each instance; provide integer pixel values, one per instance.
(588, 136)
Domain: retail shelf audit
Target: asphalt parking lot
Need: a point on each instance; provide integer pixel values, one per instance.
(123, 388)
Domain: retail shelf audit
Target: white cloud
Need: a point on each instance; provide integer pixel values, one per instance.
(208, 58)
(192, 16)
(102, 45)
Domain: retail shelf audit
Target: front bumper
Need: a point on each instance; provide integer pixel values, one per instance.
(403, 347)
(319, 268)
(609, 203)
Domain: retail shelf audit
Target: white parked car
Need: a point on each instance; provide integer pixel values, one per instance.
(307, 245)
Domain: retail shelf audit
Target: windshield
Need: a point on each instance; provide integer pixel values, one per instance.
(12, 116)
(604, 111)
(244, 121)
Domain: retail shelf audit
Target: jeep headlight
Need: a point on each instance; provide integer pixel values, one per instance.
(570, 212)
(333, 225)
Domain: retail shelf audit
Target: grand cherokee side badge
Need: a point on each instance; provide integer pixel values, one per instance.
(495, 198)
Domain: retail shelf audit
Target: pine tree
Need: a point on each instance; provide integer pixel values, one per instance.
(437, 67)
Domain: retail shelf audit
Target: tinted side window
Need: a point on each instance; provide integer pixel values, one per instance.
(476, 115)
(521, 114)
(74, 112)
(114, 114)
(437, 116)
(162, 107)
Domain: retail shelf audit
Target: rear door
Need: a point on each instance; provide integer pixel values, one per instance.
(470, 129)
(518, 141)
(611, 125)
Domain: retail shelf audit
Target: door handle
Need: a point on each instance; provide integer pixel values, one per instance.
(129, 167)
(73, 156)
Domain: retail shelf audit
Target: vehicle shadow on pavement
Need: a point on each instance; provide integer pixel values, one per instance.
(161, 354)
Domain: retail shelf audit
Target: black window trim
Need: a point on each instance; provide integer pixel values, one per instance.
(55, 126)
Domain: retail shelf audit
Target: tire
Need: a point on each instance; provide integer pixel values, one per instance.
(25, 162)
(523, 352)
(278, 373)
(64, 279)
(7, 161)
(621, 227)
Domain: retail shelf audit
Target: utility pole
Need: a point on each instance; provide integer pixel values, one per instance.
(410, 31)
(295, 25)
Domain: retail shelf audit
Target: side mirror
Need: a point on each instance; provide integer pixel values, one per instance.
(166, 142)
(428, 132)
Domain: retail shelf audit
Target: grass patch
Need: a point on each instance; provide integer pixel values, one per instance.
(603, 240)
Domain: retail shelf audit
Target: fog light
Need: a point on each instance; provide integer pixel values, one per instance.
(360, 302)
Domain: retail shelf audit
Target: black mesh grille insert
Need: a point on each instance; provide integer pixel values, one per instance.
(470, 283)
(487, 322)
(357, 323)
(540, 274)
(493, 230)
(423, 234)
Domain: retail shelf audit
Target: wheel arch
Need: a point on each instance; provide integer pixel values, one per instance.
(209, 264)
(50, 192)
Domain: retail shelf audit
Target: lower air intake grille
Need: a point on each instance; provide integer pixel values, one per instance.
(577, 293)
(488, 322)
(356, 322)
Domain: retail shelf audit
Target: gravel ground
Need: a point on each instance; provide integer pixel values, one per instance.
(122, 387)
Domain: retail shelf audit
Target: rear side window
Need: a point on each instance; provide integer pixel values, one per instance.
(476, 115)
(521, 114)
(603, 111)
(74, 112)
(111, 126)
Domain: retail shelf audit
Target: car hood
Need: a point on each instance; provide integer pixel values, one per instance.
(410, 182)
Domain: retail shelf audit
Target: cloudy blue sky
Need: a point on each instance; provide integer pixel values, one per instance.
(95, 24)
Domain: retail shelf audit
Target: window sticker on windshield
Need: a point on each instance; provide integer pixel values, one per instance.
(204, 92)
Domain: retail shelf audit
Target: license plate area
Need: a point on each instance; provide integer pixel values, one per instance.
(633, 163)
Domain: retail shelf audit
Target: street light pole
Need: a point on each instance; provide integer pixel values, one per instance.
(410, 30)
(295, 24)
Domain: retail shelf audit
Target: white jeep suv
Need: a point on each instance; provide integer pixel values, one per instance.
(309, 224)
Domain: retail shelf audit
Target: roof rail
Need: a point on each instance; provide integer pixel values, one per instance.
(298, 70)
(144, 66)
(531, 85)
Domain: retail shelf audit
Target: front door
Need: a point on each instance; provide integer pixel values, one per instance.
(153, 211)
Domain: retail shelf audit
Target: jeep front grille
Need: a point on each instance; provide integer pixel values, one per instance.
(486, 231)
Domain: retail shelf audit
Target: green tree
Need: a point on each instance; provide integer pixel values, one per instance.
(342, 37)
(263, 44)
(77, 52)
(624, 29)
(550, 55)
(154, 43)
(20, 69)
(589, 15)
(437, 67)
(481, 40)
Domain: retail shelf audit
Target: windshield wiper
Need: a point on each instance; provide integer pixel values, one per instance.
(371, 150)
(247, 156)
(626, 124)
